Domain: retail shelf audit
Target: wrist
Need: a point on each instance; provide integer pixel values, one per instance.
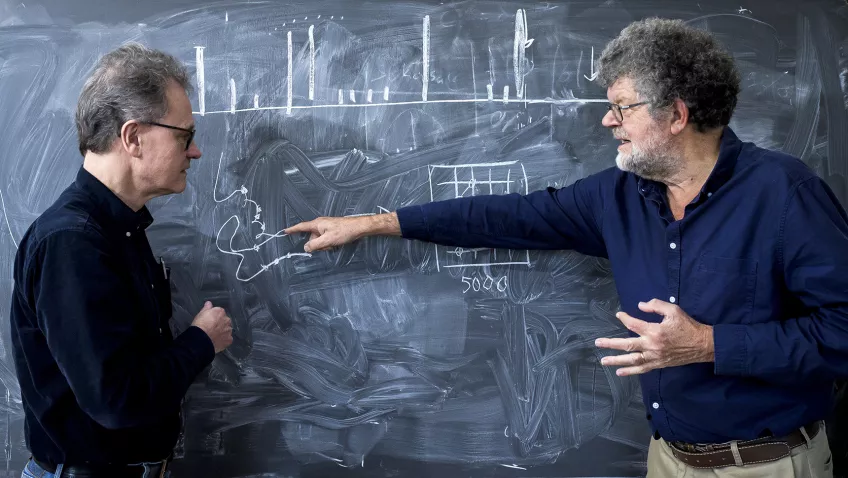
(382, 224)
(708, 344)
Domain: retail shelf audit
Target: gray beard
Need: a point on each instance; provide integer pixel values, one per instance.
(653, 164)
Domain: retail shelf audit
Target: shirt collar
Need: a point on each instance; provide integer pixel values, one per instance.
(728, 154)
(110, 211)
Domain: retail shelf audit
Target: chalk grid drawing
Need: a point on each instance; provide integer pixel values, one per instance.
(466, 180)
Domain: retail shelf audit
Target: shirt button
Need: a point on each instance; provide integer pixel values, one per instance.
(672, 299)
(673, 245)
(152, 286)
(655, 405)
(709, 194)
(129, 234)
(160, 330)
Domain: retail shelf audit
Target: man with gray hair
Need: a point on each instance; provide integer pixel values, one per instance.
(731, 261)
(102, 377)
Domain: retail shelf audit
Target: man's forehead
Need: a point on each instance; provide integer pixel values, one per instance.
(180, 106)
(621, 90)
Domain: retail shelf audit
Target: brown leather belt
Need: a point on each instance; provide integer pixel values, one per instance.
(142, 470)
(760, 450)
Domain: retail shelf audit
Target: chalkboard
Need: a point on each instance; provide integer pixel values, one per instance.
(389, 357)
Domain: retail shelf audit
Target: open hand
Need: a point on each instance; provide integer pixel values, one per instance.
(677, 340)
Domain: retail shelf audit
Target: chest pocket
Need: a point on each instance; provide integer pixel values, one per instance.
(724, 289)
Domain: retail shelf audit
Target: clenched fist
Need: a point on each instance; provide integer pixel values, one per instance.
(216, 324)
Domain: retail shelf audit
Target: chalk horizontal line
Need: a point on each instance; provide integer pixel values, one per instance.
(492, 264)
(475, 165)
(547, 101)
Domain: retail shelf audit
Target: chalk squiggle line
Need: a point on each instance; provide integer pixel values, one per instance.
(256, 220)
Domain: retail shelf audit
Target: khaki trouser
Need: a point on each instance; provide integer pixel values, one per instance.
(812, 462)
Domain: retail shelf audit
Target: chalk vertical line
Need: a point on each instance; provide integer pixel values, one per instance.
(311, 62)
(593, 62)
(386, 94)
(6, 216)
(352, 96)
(489, 93)
(430, 181)
(370, 94)
(551, 124)
(289, 82)
(412, 130)
(526, 182)
(201, 80)
(506, 94)
(526, 191)
(256, 101)
(425, 73)
(232, 96)
(341, 96)
(474, 86)
(518, 51)
(455, 184)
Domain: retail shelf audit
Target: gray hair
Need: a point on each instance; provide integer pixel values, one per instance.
(668, 59)
(127, 83)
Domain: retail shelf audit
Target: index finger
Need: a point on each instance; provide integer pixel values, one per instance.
(632, 323)
(657, 306)
(307, 226)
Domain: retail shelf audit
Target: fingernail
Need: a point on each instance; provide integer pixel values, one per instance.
(604, 361)
(642, 303)
(619, 372)
(598, 342)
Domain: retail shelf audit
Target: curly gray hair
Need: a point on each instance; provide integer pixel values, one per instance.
(127, 83)
(668, 59)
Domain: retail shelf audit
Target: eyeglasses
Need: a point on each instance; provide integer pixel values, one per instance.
(616, 109)
(189, 131)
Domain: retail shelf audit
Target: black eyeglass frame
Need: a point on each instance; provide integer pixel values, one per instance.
(617, 109)
(189, 131)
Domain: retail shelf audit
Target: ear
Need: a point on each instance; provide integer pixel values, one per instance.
(131, 138)
(679, 116)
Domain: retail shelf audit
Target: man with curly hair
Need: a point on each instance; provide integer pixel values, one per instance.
(731, 261)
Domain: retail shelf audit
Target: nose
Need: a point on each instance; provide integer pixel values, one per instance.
(193, 151)
(609, 120)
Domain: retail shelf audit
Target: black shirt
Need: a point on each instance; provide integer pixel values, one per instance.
(101, 375)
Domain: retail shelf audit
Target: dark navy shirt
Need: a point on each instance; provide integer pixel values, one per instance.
(761, 255)
(101, 375)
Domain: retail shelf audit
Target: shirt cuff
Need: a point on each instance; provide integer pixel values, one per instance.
(413, 222)
(731, 350)
(196, 340)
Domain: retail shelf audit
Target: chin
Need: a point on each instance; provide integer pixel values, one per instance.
(622, 161)
(178, 186)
